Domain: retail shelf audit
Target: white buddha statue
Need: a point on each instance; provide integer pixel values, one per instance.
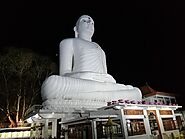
(83, 74)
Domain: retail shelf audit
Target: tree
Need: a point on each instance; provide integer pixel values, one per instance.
(22, 72)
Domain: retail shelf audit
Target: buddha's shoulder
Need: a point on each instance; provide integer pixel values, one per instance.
(67, 40)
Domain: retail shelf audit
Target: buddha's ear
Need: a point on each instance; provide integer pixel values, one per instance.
(75, 30)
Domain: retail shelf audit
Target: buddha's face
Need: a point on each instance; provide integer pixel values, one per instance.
(85, 25)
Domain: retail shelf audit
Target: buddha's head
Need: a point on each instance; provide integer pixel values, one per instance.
(84, 26)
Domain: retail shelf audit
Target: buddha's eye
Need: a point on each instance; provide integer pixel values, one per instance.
(84, 20)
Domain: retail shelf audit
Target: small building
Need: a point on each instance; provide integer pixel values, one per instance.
(152, 96)
(124, 121)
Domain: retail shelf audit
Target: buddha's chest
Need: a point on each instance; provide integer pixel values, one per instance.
(87, 49)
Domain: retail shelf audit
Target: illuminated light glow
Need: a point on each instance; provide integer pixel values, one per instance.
(36, 116)
(29, 120)
(15, 134)
(118, 107)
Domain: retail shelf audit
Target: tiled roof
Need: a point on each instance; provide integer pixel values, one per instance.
(148, 91)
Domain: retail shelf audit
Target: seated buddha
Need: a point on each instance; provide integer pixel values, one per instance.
(83, 71)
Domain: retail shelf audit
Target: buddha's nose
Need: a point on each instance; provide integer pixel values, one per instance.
(89, 20)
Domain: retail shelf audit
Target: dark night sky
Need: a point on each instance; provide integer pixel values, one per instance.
(143, 41)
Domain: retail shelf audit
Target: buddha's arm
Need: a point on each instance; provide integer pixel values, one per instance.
(104, 63)
(66, 56)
